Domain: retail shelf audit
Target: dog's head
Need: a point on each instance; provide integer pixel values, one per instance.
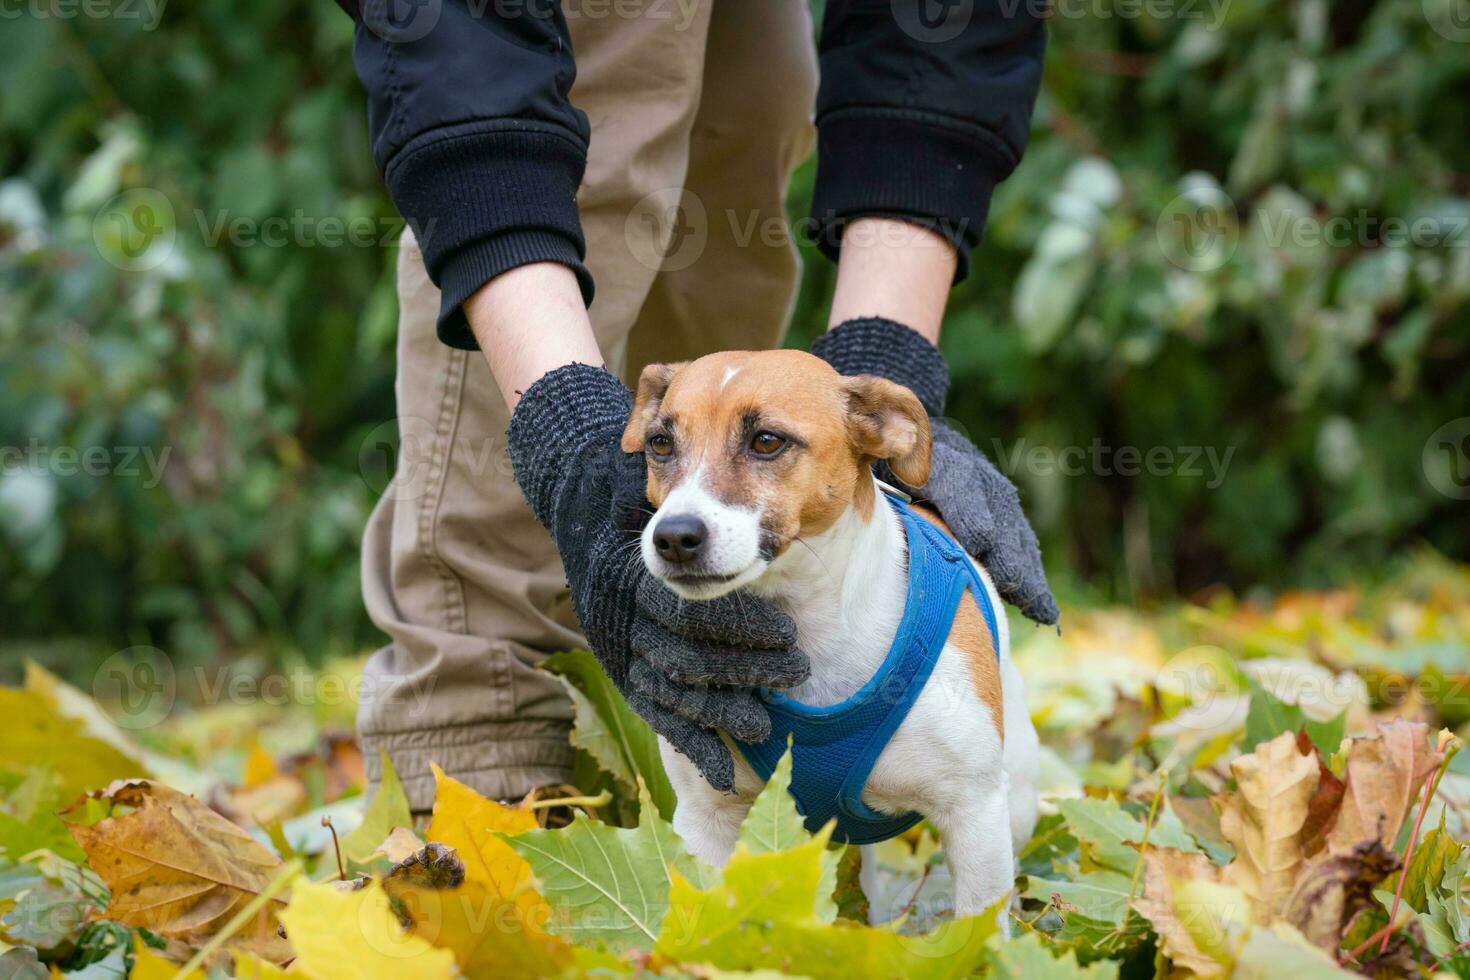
(749, 451)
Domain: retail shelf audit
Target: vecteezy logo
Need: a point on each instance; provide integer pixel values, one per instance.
(136, 687)
(667, 232)
(1446, 459)
(1450, 19)
(932, 21)
(401, 21)
(394, 458)
(425, 908)
(679, 230)
(135, 230)
(1199, 229)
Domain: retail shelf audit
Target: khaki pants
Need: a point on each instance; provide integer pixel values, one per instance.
(699, 111)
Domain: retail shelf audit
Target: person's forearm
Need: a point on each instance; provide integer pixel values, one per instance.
(529, 321)
(934, 148)
(896, 270)
(477, 140)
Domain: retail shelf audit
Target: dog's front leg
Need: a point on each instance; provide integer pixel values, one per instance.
(707, 820)
(977, 844)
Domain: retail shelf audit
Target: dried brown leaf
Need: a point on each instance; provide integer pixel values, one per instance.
(1385, 773)
(1263, 821)
(1326, 800)
(1333, 887)
(178, 869)
(400, 845)
(1163, 868)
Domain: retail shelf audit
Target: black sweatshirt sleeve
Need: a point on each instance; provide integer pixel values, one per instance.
(472, 129)
(924, 106)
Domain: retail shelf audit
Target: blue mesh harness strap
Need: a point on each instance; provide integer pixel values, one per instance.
(834, 748)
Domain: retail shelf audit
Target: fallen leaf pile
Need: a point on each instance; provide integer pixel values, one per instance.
(1309, 850)
(1227, 789)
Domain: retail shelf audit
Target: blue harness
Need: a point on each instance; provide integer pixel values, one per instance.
(833, 749)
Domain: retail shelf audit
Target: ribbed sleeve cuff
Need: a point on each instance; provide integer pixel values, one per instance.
(482, 202)
(911, 166)
(559, 417)
(464, 271)
(874, 345)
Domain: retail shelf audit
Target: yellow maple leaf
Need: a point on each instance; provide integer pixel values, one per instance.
(36, 733)
(468, 822)
(485, 933)
(248, 967)
(354, 935)
(260, 768)
(148, 965)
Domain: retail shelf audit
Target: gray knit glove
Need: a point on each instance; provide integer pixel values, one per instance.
(686, 668)
(979, 504)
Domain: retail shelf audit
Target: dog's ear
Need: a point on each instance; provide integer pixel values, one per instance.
(886, 421)
(652, 384)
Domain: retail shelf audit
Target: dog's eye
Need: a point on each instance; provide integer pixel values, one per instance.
(767, 444)
(661, 445)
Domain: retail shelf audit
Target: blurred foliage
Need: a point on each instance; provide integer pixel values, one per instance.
(259, 368)
(1151, 278)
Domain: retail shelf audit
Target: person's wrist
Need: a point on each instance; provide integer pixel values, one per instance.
(895, 269)
(529, 321)
(888, 349)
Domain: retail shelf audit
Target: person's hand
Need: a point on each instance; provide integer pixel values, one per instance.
(687, 668)
(975, 499)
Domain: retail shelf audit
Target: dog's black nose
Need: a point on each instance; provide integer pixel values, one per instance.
(679, 537)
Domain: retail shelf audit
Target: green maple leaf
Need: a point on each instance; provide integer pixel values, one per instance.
(1101, 896)
(764, 915)
(388, 809)
(1281, 951)
(1028, 958)
(1430, 864)
(1445, 882)
(1269, 716)
(42, 832)
(618, 740)
(1107, 830)
(774, 824)
(608, 884)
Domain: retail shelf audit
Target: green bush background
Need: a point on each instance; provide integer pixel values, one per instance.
(264, 371)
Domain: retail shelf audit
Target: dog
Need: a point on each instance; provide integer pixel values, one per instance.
(760, 470)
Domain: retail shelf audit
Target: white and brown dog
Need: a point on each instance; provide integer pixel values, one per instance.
(750, 453)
